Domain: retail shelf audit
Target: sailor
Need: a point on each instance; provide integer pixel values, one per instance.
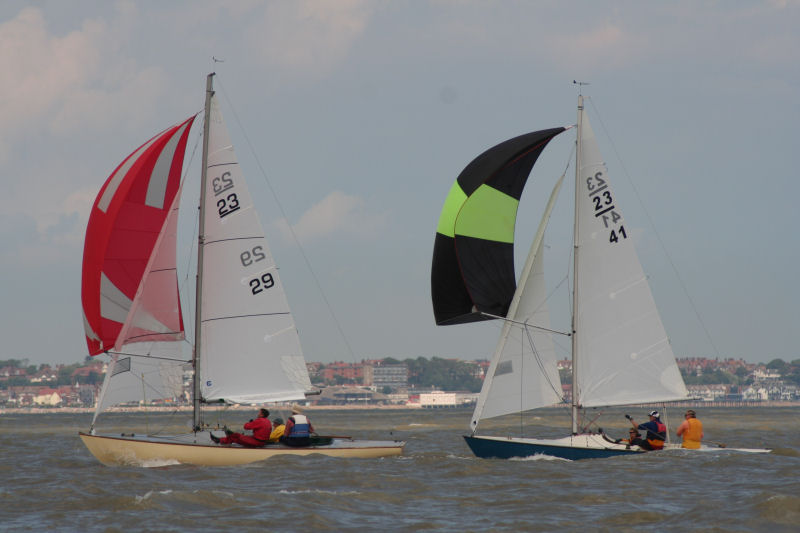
(298, 429)
(634, 439)
(691, 430)
(656, 431)
(278, 428)
(261, 427)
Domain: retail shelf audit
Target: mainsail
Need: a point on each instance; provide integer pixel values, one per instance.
(473, 255)
(250, 349)
(624, 355)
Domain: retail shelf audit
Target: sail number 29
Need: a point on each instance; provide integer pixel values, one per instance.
(262, 282)
(600, 196)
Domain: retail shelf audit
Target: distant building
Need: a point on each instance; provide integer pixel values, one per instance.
(47, 397)
(353, 373)
(350, 396)
(439, 399)
(44, 375)
(12, 372)
(380, 376)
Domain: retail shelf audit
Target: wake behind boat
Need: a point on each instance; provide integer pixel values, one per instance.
(246, 347)
(621, 354)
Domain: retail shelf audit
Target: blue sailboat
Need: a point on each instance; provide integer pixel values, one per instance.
(621, 354)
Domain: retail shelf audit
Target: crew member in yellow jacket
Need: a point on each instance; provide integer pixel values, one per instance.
(691, 430)
(278, 427)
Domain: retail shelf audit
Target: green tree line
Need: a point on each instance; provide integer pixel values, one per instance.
(64, 374)
(443, 374)
(790, 374)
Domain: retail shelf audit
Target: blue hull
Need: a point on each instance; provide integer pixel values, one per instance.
(506, 449)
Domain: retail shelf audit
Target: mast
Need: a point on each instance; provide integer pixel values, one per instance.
(198, 320)
(575, 404)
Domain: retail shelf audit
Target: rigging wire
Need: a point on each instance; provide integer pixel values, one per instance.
(540, 364)
(658, 236)
(286, 218)
(191, 255)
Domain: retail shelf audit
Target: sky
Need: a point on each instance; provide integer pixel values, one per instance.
(352, 119)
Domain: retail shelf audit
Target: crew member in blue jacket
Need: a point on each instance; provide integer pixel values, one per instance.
(656, 431)
(298, 429)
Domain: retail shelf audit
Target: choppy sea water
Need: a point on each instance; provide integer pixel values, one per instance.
(50, 482)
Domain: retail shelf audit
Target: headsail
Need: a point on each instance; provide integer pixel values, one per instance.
(525, 352)
(137, 377)
(624, 355)
(128, 220)
(473, 255)
(250, 349)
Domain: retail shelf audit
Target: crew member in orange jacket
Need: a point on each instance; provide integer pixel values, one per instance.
(261, 427)
(691, 430)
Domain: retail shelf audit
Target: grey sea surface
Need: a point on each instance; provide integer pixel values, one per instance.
(50, 482)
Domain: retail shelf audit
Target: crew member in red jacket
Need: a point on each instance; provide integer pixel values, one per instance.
(261, 427)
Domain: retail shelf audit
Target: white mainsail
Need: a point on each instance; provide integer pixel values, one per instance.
(624, 355)
(523, 373)
(250, 350)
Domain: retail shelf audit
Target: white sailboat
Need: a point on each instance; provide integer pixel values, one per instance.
(621, 354)
(246, 348)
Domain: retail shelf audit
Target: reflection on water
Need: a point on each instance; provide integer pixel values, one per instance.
(51, 482)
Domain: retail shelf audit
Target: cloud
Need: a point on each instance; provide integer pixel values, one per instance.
(40, 71)
(608, 45)
(309, 37)
(59, 91)
(336, 213)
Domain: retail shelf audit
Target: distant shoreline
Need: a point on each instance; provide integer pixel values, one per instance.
(188, 408)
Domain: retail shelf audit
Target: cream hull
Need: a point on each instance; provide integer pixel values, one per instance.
(197, 449)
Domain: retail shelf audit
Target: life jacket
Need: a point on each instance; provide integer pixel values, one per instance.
(693, 435)
(301, 427)
(658, 444)
(277, 433)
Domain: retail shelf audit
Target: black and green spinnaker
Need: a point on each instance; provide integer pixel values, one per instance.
(473, 255)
